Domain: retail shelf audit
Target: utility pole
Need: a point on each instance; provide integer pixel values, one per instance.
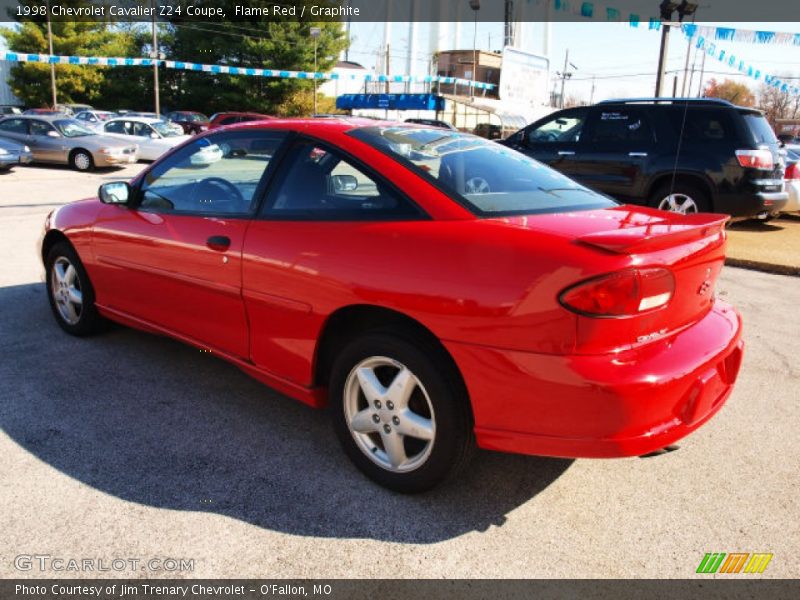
(591, 96)
(662, 57)
(155, 65)
(315, 31)
(702, 74)
(564, 75)
(52, 64)
(686, 69)
(475, 5)
(675, 86)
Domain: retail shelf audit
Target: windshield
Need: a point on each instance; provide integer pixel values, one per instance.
(71, 128)
(165, 129)
(489, 179)
(197, 118)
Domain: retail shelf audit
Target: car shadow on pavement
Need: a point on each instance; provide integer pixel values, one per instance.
(153, 421)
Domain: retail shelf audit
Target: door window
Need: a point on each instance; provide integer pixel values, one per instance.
(219, 174)
(564, 127)
(621, 126)
(141, 129)
(40, 128)
(14, 126)
(321, 184)
(115, 127)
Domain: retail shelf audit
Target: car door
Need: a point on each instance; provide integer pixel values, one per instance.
(47, 143)
(554, 140)
(173, 257)
(618, 145)
(321, 212)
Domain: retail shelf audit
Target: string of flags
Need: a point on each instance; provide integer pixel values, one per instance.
(246, 71)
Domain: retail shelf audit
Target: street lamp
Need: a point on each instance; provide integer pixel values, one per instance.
(314, 32)
(666, 8)
(475, 5)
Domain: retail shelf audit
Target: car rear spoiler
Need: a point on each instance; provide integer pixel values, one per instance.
(657, 236)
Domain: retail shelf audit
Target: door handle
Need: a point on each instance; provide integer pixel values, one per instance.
(637, 154)
(566, 153)
(219, 242)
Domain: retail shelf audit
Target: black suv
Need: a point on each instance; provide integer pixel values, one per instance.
(678, 154)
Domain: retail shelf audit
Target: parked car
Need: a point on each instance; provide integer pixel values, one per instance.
(8, 109)
(73, 109)
(94, 119)
(191, 122)
(792, 179)
(230, 118)
(45, 112)
(432, 287)
(60, 139)
(432, 123)
(153, 136)
(13, 154)
(686, 156)
(490, 131)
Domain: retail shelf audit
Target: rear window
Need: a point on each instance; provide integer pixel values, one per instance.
(487, 178)
(760, 129)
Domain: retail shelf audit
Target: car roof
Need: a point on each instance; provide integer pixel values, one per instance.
(337, 124)
(58, 117)
(147, 120)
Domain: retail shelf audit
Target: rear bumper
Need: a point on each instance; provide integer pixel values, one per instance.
(752, 200)
(624, 404)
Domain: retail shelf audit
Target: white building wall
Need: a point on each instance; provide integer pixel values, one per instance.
(6, 96)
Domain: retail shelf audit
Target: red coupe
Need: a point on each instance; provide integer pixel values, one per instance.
(437, 290)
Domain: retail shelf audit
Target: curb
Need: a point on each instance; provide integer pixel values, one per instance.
(764, 267)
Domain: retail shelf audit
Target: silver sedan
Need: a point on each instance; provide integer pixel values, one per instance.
(63, 140)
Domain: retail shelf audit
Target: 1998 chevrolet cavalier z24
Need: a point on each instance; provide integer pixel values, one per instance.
(438, 291)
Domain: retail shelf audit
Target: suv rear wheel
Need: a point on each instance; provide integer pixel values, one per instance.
(683, 198)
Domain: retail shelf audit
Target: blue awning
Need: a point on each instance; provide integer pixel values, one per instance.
(391, 101)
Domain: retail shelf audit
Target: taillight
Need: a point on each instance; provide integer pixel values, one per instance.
(622, 294)
(755, 159)
(792, 172)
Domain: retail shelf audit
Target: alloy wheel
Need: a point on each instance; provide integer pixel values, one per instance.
(83, 161)
(679, 203)
(389, 414)
(65, 286)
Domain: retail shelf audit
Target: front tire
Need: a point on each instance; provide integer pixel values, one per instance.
(400, 411)
(70, 292)
(81, 160)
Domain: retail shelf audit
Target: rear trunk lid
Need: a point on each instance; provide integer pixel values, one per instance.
(691, 247)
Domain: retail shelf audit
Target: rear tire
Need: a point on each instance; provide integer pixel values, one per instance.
(70, 292)
(81, 160)
(400, 411)
(683, 198)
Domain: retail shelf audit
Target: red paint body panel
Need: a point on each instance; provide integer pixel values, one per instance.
(541, 379)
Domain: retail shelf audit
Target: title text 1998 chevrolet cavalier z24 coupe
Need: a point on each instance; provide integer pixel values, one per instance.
(438, 291)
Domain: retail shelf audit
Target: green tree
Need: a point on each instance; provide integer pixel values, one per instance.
(74, 83)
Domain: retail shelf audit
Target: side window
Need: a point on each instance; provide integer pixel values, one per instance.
(564, 127)
(321, 184)
(228, 120)
(14, 126)
(40, 128)
(218, 174)
(702, 126)
(619, 126)
(141, 129)
(115, 127)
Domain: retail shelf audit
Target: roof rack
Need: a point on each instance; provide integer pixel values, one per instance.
(717, 101)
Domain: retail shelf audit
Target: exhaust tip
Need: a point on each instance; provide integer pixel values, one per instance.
(661, 451)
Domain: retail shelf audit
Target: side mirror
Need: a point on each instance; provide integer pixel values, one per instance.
(115, 192)
(53, 134)
(344, 183)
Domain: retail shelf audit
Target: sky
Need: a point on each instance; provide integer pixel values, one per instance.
(622, 59)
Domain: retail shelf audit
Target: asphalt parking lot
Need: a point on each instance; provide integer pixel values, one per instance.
(129, 445)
